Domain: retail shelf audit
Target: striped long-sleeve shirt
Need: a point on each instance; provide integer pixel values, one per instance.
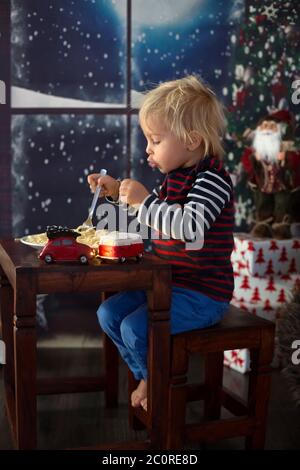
(192, 215)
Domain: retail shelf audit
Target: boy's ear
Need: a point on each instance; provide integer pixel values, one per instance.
(195, 141)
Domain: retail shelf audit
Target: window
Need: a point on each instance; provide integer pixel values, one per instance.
(67, 242)
(78, 70)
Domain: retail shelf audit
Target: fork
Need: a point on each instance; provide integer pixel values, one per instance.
(88, 223)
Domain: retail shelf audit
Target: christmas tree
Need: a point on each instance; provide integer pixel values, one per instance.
(260, 256)
(283, 255)
(251, 246)
(293, 267)
(273, 245)
(281, 297)
(245, 283)
(270, 285)
(296, 244)
(270, 269)
(267, 305)
(266, 63)
(255, 297)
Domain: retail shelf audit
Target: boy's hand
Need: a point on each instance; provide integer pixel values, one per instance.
(132, 192)
(109, 186)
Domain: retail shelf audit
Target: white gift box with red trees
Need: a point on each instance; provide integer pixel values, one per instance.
(265, 274)
(265, 257)
(263, 295)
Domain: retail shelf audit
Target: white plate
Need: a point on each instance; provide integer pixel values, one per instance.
(27, 241)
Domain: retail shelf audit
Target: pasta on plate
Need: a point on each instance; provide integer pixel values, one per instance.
(88, 236)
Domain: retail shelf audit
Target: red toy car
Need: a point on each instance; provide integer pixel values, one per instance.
(120, 246)
(62, 246)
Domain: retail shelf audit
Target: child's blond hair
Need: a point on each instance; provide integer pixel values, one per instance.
(187, 105)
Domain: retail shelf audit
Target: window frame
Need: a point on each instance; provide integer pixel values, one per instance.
(7, 112)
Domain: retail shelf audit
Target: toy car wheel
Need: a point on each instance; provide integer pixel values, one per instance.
(139, 257)
(48, 259)
(83, 259)
(122, 259)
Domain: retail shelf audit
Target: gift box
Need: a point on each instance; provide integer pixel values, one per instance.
(265, 273)
(265, 310)
(237, 359)
(265, 257)
(263, 296)
(236, 383)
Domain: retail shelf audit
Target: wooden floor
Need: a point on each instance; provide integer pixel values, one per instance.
(73, 346)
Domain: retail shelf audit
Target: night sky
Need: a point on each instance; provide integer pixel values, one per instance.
(77, 49)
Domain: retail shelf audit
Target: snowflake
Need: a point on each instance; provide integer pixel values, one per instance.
(270, 12)
(240, 211)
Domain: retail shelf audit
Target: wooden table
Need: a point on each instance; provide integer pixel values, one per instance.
(23, 276)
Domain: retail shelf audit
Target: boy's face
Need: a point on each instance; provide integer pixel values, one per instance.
(166, 152)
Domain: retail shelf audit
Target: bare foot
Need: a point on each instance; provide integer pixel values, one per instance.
(144, 404)
(139, 394)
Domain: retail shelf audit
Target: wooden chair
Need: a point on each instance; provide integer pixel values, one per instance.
(237, 330)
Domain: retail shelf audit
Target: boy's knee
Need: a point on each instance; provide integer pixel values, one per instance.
(127, 333)
(133, 332)
(104, 317)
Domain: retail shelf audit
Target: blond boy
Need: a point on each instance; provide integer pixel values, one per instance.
(192, 212)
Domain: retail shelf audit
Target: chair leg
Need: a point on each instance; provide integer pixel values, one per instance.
(177, 413)
(259, 388)
(111, 370)
(177, 398)
(134, 422)
(213, 385)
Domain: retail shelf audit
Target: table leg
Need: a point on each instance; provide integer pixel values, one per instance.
(159, 301)
(6, 308)
(25, 364)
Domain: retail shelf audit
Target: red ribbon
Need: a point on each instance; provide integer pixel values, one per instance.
(121, 251)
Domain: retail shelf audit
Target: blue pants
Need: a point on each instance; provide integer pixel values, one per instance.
(124, 318)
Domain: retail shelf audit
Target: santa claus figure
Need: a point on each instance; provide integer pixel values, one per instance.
(273, 168)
